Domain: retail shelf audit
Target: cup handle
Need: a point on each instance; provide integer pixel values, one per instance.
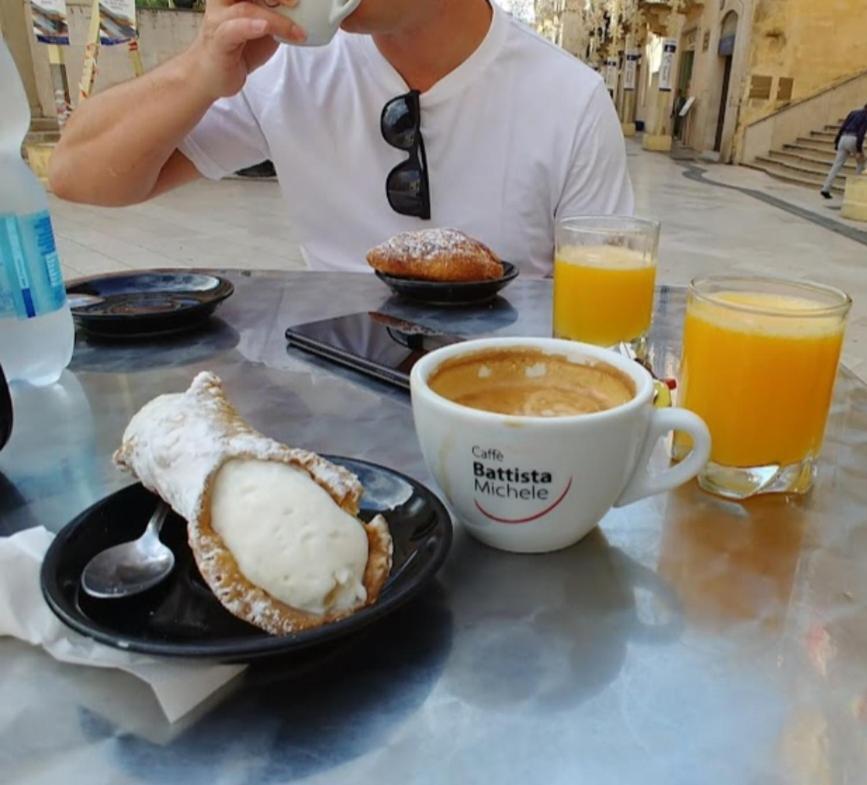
(340, 9)
(642, 482)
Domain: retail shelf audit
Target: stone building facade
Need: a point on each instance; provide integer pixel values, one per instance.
(741, 61)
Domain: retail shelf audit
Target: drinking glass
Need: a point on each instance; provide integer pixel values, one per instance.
(604, 274)
(759, 361)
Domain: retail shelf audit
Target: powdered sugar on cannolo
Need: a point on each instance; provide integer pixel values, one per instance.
(177, 446)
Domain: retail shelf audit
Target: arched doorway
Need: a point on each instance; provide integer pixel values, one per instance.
(726, 53)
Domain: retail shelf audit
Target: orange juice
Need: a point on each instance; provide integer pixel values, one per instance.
(761, 380)
(602, 294)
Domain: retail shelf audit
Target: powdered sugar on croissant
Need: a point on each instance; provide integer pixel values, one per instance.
(436, 255)
(273, 529)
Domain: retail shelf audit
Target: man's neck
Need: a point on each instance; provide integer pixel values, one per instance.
(437, 42)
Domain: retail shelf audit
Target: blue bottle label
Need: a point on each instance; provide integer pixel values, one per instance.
(31, 283)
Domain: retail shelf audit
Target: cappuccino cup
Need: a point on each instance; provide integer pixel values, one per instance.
(320, 19)
(534, 440)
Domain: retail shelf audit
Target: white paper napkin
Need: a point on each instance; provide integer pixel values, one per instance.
(24, 614)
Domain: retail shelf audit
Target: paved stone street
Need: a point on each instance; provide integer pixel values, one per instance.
(716, 219)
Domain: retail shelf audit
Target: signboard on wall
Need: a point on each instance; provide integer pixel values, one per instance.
(630, 69)
(666, 68)
(611, 74)
(49, 21)
(116, 21)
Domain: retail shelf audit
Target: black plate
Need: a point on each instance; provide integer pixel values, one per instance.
(181, 618)
(445, 293)
(136, 305)
(5, 411)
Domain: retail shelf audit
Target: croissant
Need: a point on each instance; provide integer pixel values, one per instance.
(436, 255)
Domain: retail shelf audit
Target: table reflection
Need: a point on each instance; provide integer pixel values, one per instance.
(728, 562)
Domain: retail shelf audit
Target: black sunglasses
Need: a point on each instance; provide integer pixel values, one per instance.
(406, 186)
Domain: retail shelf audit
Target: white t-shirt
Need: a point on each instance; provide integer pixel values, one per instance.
(517, 136)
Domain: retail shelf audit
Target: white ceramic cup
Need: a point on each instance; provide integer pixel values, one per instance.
(537, 484)
(320, 19)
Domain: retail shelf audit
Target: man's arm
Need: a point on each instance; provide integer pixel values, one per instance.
(120, 147)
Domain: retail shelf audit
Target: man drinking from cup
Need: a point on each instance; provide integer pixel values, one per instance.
(417, 114)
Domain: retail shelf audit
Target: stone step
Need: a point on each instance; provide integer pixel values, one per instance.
(815, 160)
(43, 130)
(826, 144)
(824, 135)
(44, 124)
(781, 172)
(43, 137)
(801, 170)
(822, 153)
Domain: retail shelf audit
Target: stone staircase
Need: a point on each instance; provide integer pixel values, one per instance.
(807, 160)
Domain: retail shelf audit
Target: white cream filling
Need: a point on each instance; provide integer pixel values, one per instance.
(288, 536)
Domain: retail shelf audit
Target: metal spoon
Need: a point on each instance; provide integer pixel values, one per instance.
(131, 567)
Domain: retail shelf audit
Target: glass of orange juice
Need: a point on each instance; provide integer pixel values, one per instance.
(759, 361)
(604, 274)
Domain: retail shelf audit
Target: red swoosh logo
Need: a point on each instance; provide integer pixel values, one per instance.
(530, 518)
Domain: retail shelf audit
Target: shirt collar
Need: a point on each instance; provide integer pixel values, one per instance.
(453, 82)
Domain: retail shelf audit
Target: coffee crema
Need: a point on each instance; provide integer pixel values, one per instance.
(531, 383)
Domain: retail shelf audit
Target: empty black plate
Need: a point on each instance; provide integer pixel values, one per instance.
(182, 618)
(135, 305)
(450, 293)
(5, 410)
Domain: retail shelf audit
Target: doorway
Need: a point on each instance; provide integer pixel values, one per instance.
(724, 99)
(684, 81)
(726, 53)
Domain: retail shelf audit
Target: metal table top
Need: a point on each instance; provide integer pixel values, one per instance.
(687, 640)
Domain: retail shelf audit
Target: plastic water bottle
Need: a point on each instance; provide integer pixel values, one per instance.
(36, 330)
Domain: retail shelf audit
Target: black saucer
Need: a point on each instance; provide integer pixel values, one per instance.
(5, 411)
(181, 618)
(137, 305)
(450, 293)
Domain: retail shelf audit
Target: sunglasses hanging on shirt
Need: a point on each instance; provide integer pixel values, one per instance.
(406, 186)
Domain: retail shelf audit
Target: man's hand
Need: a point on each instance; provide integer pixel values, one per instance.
(235, 39)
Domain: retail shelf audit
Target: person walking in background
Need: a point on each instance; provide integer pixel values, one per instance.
(849, 141)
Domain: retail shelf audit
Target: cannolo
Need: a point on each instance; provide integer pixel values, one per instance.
(274, 530)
